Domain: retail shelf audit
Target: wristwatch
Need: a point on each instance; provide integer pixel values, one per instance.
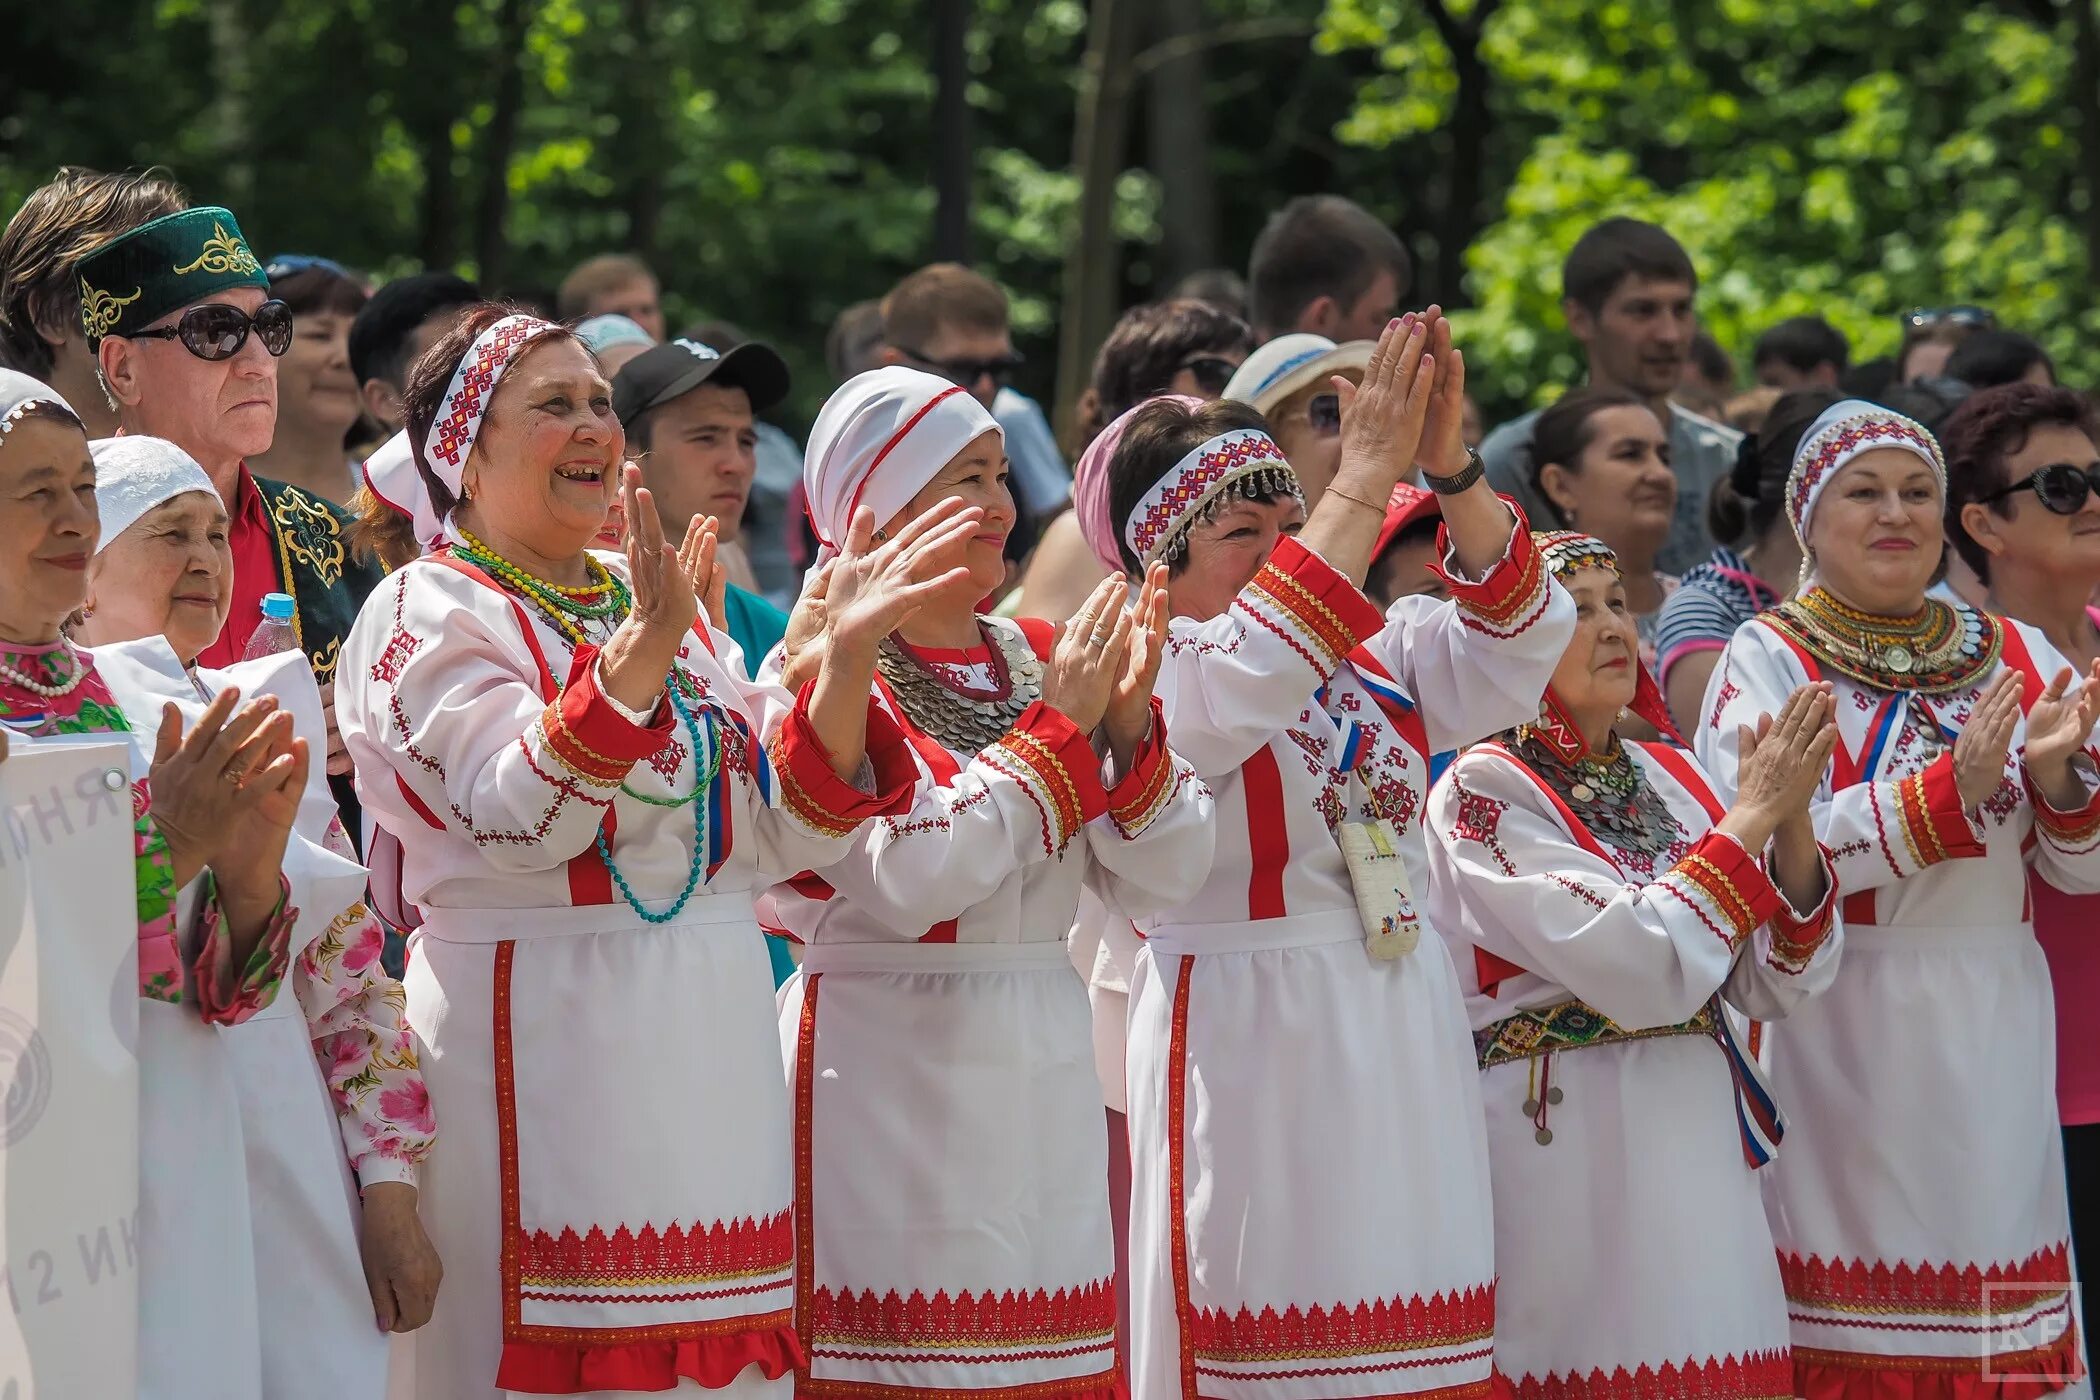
(1473, 470)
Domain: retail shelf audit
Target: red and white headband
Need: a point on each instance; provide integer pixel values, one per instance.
(1242, 462)
(1844, 431)
(450, 440)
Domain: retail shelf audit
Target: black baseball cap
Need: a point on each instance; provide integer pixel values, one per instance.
(664, 372)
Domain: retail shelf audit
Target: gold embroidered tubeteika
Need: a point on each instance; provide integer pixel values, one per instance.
(223, 252)
(100, 311)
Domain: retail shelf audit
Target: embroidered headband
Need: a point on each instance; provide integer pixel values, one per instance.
(1243, 462)
(1566, 552)
(1091, 479)
(451, 438)
(1841, 433)
(135, 475)
(21, 396)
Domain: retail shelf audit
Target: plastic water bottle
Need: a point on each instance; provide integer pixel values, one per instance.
(275, 633)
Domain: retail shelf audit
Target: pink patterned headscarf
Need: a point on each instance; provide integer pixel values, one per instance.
(1090, 484)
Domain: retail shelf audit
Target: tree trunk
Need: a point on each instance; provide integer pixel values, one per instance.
(490, 251)
(953, 154)
(2085, 96)
(647, 90)
(1461, 218)
(1178, 128)
(1093, 267)
(230, 36)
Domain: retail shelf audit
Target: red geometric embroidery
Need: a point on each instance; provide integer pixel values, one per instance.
(452, 435)
(399, 648)
(1173, 498)
(733, 1249)
(669, 759)
(1480, 819)
(966, 1319)
(1758, 1375)
(1362, 1329)
(1855, 1285)
(1892, 430)
(1729, 690)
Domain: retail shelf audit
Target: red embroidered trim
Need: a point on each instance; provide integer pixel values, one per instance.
(1304, 607)
(507, 1141)
(1859, 1286)
(1514, 588)
(1177, 1169)
(1361, 1329)
(805, 1161)
(1763, 1375)
(798, 799)
(967, 1319)
(1104, 1385)
(1042, 763)
(2073, 829)
(725, 1250)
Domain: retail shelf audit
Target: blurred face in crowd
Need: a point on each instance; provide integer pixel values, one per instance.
(1622, 491)
(1876, 534)
(382, 398)
(1308, 427)
(978, 358)
(218, 411)
(314, 382)
(1595, 677)
(170, 574)
(703, 451)
(638, 300)
(2021, 532)
(1403, 570)
(1778, 374)
(48, 526)
(546, 463)
(976, 476)
(1363, 318)
(1642, 336)
(1226, 551)
(1205, 374)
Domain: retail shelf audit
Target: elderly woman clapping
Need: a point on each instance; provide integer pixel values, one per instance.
(163, 571)
(215, 916)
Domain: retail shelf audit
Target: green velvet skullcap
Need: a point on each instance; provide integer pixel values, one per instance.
(135, 279)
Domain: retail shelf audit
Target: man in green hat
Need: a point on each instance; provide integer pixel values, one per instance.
(179, 315)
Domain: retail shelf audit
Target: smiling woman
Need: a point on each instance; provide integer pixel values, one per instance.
(318, 399)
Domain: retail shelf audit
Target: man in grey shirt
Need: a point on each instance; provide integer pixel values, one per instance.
(1627, 289)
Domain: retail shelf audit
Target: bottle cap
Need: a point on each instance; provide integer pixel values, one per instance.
(277, 607)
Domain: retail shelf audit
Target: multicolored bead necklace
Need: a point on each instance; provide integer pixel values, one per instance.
(1937, 649)
(605, 597)
(705, 739)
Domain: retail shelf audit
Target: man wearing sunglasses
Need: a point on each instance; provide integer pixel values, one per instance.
(179, 314)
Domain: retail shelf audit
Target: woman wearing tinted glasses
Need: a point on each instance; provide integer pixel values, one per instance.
(317, 395)
(1918, 1205)
(2023, 509)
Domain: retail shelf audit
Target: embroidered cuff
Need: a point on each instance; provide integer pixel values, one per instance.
(1936, 827)
(1718, 874)
(812, 790)
(1317, 602)
(227, 997)
(589, 735)
(2075, 832)
(1509, 598)
(1797, 935)
(1053, 761)
(1151, 782)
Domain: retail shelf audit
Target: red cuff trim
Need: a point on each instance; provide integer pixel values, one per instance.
(1935, 826)
(1795, 940)
(1315, 596)
(553, 1368)
(2078, 829)
(1513, 593)
(590, 738)
(1732, 882)
(1144, 791)
(1058, 762)
(814, 792)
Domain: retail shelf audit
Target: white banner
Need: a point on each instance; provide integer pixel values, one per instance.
(69, 1015)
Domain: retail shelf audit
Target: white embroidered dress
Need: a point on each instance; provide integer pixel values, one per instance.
(936, 1005)
(611, 1196)
(1918, 1207)
(1612, 1109)
(1309, 1207)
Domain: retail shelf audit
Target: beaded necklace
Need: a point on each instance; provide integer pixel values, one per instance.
(705, 738)
(604, 597)
(1607, 795)
(1937, 649)
(49, 690)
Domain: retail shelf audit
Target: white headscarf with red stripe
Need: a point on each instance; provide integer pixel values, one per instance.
(881, 437)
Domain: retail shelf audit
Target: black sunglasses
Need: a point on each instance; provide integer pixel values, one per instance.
(1926, 316)
(1211, 372)
(2060, 487)
(216, 331)
(967, 372)
(1323, 414)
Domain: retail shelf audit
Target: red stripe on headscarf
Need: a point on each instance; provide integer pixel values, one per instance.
(853, 506)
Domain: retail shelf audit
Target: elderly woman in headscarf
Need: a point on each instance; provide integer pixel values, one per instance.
(332, 1100)
(213, 810)
(588, 793)
(1919, 1204)
(1616, 914)
(1310, 1210)
(971, 1169)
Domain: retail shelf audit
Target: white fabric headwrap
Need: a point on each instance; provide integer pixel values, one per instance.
(1180, 497)
(390, 474)
(134, 475)
(451, 438)
(881, 437)
(1843, 431)
(18, 393)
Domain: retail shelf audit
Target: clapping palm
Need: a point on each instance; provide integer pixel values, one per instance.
(2061, 719)
(873, 588)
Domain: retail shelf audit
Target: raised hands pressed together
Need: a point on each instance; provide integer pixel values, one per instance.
(1981, 747)
(2058, 726)
(1784, 759)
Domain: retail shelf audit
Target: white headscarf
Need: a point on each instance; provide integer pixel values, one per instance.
(390, 474)
(881, 437)
(134, 475)
(1840, 433)
(19, 393)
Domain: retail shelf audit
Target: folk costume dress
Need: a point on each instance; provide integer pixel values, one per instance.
(1611, 931)
(936, 1002)
(589, 985)
(1309, 1201)
(1919, 1207)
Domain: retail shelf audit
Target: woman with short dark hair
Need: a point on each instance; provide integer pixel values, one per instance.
(318, 397)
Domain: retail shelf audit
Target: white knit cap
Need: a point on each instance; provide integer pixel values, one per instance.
(135, 475)
(881, 437)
